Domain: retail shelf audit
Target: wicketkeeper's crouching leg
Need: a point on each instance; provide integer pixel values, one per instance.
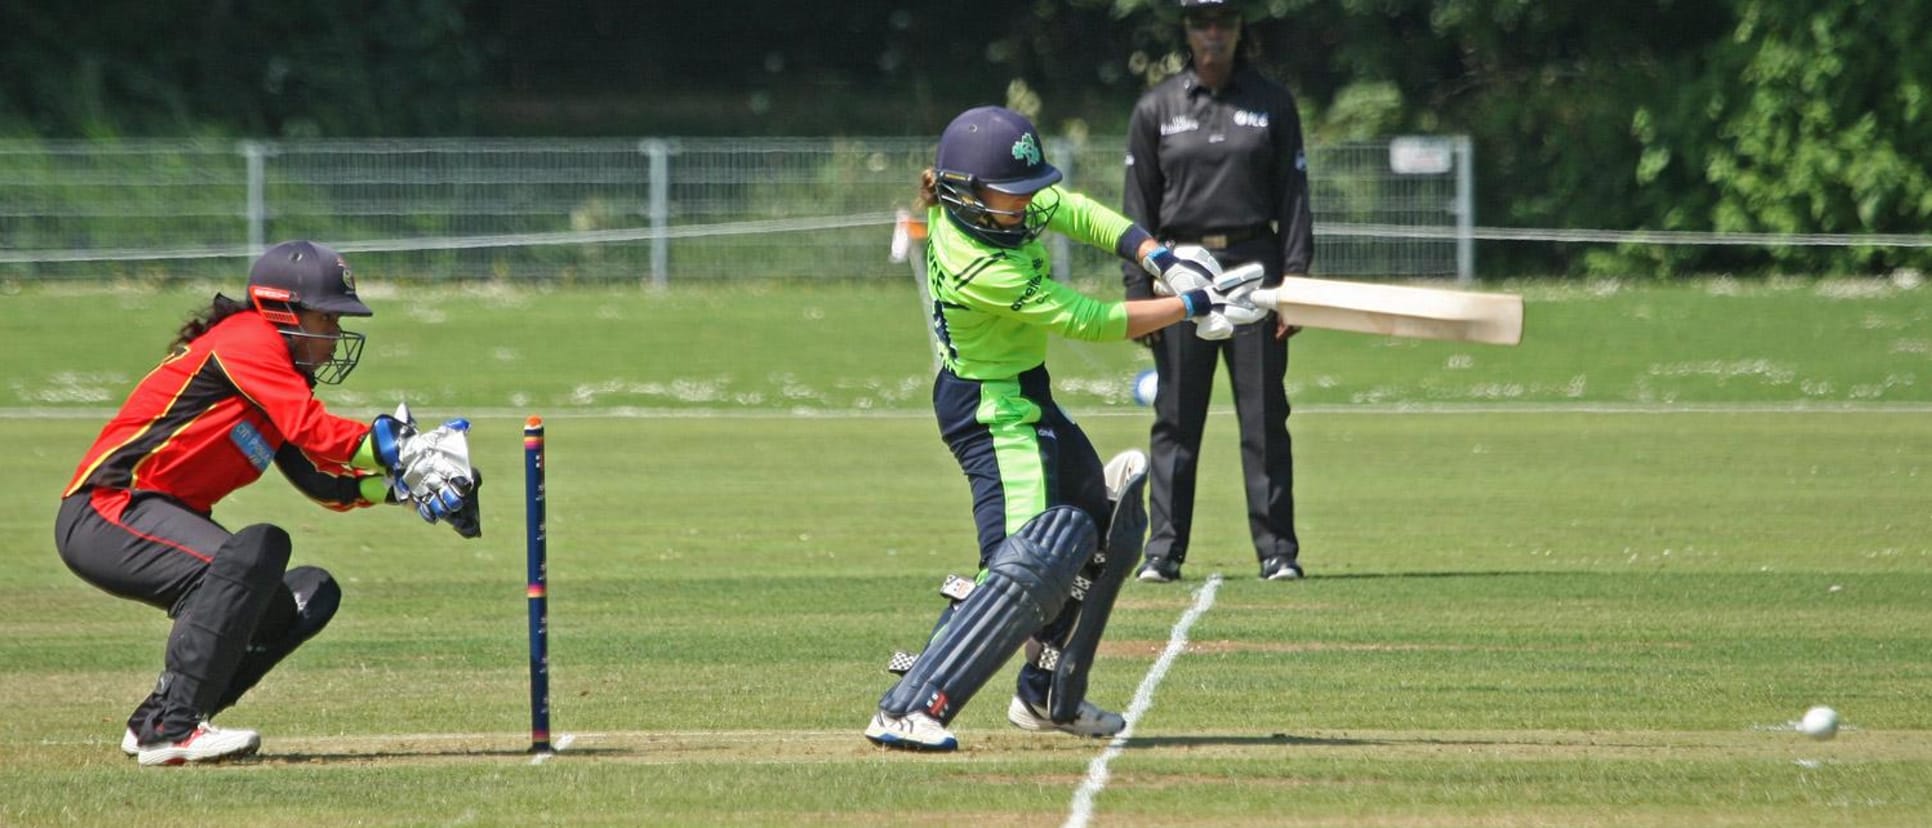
(213, 624)
(1024, 585)
(303, 605)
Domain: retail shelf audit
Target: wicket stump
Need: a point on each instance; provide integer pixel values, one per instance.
(537, 554)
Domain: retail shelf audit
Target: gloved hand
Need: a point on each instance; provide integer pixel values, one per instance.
(429, 470)
(467, 519)
(1185, 269)
(1175, 274)
(1234, 295)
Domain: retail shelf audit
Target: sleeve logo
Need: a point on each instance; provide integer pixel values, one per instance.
(252, 446)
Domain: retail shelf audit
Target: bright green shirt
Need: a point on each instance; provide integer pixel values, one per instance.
(993, 307)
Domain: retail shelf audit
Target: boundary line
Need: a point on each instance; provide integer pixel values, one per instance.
(1082, 807)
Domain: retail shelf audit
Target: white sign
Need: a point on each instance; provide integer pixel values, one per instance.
(1421, 155)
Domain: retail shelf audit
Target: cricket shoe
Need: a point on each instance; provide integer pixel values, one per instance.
(913, 731)
(206, 744)
(130, 744)
(1090, 721)
(1159, 570)
(1280, 568)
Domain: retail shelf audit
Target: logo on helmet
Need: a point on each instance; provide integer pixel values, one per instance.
(1026, 149)
(348, 279)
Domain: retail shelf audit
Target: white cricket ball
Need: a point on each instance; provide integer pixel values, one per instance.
(1145, 385)
(1819, 723)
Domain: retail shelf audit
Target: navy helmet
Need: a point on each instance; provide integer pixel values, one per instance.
(308, 275)
(304, 275)
(993, 148)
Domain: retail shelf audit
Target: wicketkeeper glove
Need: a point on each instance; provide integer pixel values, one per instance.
(430, 470)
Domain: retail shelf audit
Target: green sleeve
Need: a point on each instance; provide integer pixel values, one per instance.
(1087, 220)
(374, 488)
(365, 456)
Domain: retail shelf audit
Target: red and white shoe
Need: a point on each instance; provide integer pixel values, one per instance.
(129, 744)
(206, 744)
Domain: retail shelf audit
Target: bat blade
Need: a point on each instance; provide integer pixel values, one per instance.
(1393, 310)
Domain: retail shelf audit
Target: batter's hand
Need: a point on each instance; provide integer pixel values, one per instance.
(1175, 275)
(1233, 295)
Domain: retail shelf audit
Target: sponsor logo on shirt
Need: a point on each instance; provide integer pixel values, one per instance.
(1179, 124)
(252, 445)
(1258, 120)
(1032, 289)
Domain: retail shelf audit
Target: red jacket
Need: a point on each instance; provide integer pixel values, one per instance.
(210, 419)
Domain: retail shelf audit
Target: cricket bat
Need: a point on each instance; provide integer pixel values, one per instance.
(1391, 310)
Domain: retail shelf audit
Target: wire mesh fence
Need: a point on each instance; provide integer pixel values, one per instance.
(597, 211)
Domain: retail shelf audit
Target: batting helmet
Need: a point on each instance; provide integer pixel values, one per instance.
(304, 275)
(997, 149)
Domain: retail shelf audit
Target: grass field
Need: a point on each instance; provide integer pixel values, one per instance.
(1587, 581)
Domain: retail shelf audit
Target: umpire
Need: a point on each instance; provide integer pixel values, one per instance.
(1215, 158)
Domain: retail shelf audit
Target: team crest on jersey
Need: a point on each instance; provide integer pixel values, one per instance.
(252, 445)
(1026, 149)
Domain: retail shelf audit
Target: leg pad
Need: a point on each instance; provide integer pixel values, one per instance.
(1024, 585)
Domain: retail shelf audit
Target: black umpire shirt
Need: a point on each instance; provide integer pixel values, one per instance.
(1219, 167)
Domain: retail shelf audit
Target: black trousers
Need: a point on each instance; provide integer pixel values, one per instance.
(234, 602)
(1257, 366)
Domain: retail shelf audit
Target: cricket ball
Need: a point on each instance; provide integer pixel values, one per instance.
(1819, 723)
(1145, 384)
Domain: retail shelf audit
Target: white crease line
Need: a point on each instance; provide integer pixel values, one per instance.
(563, 741)
(1082, 809)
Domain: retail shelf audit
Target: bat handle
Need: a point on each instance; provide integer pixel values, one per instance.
(1265, 297)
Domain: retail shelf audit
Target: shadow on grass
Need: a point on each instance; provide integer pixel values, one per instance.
(405, 755)
(1369, 576)
(1249, 741)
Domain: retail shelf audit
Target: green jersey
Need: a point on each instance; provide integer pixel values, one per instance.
(993, 307)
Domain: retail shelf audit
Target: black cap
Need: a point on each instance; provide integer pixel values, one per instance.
(998, 148)
(314, 276)
(1177, 10)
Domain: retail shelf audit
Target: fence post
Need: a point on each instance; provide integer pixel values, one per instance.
(659, 209)
(1465, 210)
(256, 156)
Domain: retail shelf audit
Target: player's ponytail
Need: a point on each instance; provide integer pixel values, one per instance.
(928, 195)
(220, 308)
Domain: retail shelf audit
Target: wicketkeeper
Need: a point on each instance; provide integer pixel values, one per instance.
(1057, 532)
(236, 395)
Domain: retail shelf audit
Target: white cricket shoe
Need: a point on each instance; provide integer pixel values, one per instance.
(913, 731)
(1090, 721)
(129, 744)
(206, 744)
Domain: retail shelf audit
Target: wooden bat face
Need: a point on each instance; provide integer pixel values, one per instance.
(1391, 310)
